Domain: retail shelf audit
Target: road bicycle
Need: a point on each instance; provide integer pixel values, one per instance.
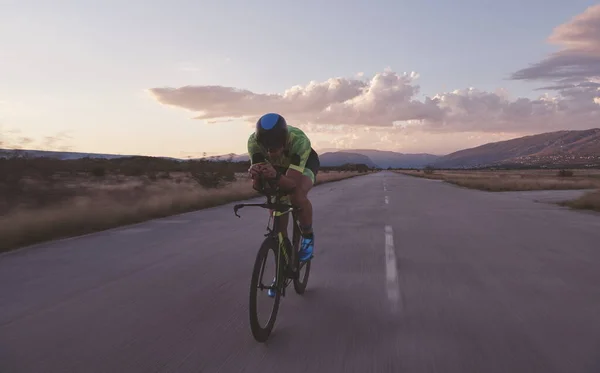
(287, 264)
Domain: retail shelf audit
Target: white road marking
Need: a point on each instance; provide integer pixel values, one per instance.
(391, 272)
(387, 200)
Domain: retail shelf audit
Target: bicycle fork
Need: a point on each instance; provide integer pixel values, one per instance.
(286, 270)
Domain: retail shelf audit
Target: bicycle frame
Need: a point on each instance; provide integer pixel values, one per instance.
(287, 263)
(279, 209)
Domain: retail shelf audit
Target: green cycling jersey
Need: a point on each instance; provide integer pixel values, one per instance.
(295, 155)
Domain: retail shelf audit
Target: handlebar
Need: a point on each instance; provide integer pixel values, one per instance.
(269, 193)
(279, 207)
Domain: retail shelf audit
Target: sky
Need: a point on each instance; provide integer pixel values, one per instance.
(182, 78)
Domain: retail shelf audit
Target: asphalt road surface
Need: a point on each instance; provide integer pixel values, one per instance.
(410, 275)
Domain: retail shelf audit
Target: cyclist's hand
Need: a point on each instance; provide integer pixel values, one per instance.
(269, 172)
(255, 170)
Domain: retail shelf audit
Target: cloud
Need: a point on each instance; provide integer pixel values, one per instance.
(575, 71)
(386, 98)
(403, 141)
(579, 58)
(389, 101)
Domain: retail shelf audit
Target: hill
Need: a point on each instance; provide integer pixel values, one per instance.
(385, 159)
(560, 148)
(380, 158)
(551, 149)
(61, 154)
(332, 159)
(69, 155)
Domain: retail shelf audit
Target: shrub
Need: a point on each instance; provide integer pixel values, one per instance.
(428, 169)
(565, 173)
(99, 171)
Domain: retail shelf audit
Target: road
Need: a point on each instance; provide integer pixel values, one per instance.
(410, 275)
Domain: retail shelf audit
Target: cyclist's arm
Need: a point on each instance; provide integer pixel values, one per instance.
(299, 155)
(257, 158)
(255, 153)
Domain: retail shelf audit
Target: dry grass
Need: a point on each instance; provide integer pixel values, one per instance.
(589, 201)
(518, 180)
(115, 202)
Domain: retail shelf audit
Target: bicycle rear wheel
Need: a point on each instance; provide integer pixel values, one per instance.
(301, 280)
(261, 333)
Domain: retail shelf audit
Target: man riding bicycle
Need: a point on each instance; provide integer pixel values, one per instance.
(284, 156)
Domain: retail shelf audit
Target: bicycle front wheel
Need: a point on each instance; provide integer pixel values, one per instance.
(260, 281)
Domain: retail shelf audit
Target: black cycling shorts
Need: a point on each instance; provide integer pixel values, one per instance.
(312, 163)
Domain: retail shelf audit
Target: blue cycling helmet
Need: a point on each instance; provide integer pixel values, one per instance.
(271, 131)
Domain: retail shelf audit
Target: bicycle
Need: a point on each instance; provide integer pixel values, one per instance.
(287, 263)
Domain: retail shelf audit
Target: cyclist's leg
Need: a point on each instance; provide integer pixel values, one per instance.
(300, 198)
(309, 179)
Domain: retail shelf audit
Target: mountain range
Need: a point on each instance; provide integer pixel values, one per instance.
(377, 158)
(70, 155)
(370, 157)
(547, 149)
(560, 148)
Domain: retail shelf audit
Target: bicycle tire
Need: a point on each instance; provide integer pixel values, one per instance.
(259, 333)
(299, 285)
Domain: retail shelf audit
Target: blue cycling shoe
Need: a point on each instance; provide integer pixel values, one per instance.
(307, 245)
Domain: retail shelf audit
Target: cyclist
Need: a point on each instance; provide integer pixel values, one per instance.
(283, 154)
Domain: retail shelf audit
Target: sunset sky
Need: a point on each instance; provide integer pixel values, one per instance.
(180, 78)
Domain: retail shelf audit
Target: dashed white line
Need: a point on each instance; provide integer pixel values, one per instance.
(391, 272)
(387, 200)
